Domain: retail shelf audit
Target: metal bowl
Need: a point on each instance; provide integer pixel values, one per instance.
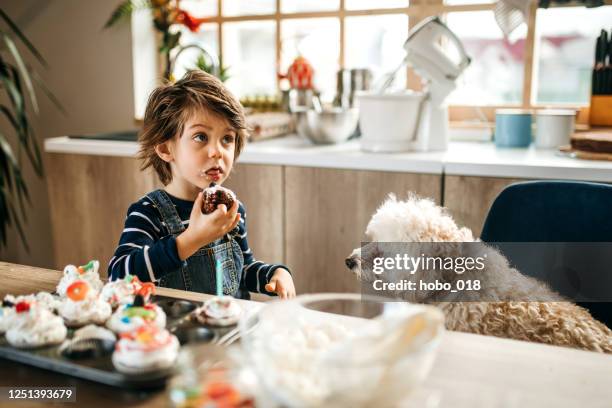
(329, 126)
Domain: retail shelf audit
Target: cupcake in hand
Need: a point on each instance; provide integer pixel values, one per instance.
(87, 273)
(83, 305)
(35, 326)
(130, 317)
(145, 349)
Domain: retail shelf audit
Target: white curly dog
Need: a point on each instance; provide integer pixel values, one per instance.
(517, 306)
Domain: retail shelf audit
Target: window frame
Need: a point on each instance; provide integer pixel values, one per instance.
(416, 11)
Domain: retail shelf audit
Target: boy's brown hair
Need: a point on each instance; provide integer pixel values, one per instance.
(170, 106)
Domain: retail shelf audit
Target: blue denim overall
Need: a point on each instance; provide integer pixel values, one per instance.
(198, 271)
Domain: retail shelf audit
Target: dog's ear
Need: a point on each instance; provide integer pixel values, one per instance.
(465, 235)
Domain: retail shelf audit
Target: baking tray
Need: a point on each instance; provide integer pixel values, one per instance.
(101, 369)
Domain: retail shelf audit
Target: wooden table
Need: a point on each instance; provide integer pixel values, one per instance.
(470, 370)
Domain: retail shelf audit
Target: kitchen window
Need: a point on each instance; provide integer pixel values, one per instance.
(258, 38)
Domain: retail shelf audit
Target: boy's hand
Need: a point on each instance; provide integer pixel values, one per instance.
(205, 228)
(281, 284)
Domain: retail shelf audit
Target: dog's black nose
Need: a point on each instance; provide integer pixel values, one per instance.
(350, 262)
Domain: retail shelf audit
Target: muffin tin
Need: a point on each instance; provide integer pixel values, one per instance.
(97, 366)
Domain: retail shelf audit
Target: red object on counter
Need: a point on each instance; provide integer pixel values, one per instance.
(300, 74)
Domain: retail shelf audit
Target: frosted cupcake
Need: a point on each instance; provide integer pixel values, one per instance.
(35, 326)
(87, 273)
(123, 291)
(219, 311)
(145, 349)
(89, 342)
(83, 305)
(43, 299)
(7, 315)
(130, 317)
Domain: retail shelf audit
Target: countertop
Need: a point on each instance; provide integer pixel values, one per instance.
(462, 158)
(470, 370)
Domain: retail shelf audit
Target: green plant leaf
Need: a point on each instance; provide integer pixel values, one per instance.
(23, 38)
(15, 217)
(22, 68)
(38, 80)
(125, 10)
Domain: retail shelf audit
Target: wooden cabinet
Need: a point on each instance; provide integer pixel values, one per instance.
(469, 198)
(307, 218)
(260, 189)
(327, 212)
(88, 197)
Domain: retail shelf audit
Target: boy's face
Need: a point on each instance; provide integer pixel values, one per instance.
(204, 152)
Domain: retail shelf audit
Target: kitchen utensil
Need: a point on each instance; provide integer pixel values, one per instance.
(439, 72)
(343, 88)
(326, 342)
(333, 125)
(391, 121)
(512, 128)
(361, 80)
(554, 127)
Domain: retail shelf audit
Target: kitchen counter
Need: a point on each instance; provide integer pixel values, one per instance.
(462, 158)
(470, 370)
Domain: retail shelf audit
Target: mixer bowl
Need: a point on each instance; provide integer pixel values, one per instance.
(330, 126)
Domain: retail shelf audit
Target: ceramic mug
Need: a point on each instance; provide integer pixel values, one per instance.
(512, 128)
(554, 127)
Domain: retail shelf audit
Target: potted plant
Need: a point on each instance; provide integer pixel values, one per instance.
(17, 81)
(166, 13)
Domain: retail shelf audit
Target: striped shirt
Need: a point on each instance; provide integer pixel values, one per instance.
(148, 250)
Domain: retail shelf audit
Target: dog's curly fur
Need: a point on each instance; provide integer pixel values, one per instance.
(541, 316)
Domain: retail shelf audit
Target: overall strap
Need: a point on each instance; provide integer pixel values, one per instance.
(167, 210)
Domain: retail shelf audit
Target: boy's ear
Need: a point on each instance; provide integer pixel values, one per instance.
(164, 152)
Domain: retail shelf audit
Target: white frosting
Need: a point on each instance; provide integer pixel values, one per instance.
(36, 327)
(43, 299)
(120, 322)
(221, 311)
(71, 274)
(92, 309)
(7, 315)
(92, 331)
(134, 356)
(121, 292)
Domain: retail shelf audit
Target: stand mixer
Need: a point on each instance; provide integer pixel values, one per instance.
(415, 121)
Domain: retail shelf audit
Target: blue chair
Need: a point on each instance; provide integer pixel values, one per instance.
(553, 211)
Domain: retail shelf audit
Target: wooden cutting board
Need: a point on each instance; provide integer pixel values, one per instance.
(580, 154)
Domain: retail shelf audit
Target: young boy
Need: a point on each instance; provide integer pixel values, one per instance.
(193, 132)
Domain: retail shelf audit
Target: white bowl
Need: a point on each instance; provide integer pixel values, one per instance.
(320, 350)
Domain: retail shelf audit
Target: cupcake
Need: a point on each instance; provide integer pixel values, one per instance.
(91, 331)
(87, 273)
(215, 195)
(130, 317)
(90, 341)
(122, 291)
(35, 326)
(7, 315)
(83, 305)
(219, 311)
(145, 349)
(44, 299)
